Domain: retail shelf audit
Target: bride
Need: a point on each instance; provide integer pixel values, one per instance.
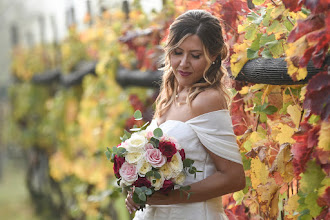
(192, 107)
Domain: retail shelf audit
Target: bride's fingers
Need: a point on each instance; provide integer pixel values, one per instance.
(130, 204)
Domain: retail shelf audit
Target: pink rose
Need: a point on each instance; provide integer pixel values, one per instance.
(168, 149)
(155, 157)
(128, 172)
(149, 135)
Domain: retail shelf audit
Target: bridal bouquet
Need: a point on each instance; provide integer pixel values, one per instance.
(149, 161)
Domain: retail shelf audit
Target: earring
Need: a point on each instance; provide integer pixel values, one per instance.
(213, 62)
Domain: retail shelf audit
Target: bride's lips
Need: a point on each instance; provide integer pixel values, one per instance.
(183, 73)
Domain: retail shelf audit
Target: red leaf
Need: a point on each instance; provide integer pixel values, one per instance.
(310, 24)
(317, 6)
(317, 98)
(306, 57)
(292, 5)
(300, 150)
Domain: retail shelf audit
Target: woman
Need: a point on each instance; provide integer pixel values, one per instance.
(192, 107)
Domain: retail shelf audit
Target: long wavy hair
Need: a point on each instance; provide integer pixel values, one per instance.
(207, 27)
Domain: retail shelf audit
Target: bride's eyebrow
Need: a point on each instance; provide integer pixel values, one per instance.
(197, 51)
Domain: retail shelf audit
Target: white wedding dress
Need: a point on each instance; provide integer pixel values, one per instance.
(214, 131)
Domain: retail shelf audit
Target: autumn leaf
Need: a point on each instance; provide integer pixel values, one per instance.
(311, 179)
(259, 173)
(317, 97)
(295, 113)
(293, 5)
(291, 206)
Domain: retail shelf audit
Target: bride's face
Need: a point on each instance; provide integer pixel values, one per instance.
(188, 61)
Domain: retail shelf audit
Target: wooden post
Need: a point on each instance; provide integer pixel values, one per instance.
(14, 37)
(89, 11)
(41, 22)
(126, 9)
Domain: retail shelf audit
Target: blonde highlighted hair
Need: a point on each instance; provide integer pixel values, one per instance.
(208, 29)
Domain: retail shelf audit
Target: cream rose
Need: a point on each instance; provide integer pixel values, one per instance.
(179, 179)
(128, 172)
(136, 143)
(176, 163)
(157, 183)
(155, 157)
(134, 157)
(143, 167)
(167, 171)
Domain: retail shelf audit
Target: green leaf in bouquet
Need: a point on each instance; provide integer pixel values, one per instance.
(138, 115)
(187, 163)
(154, 142)
(158, 133)
(118, 182)
(192, 170)
(189, 194)
(127, 134)
(157, 175)
(142, 197)
(150, 173)
(138, 190)
(148, 192)
(121, 151)
(108, 154)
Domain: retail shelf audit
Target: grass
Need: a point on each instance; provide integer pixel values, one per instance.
(14, 197)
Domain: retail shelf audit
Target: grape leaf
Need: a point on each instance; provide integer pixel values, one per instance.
(303, 27)
(292, 5)
(311, 179)
(259, 173)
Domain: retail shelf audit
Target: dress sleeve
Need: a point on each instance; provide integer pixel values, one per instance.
(215, 131)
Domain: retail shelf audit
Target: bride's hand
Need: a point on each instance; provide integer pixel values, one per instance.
(130, 204)
(159, 199)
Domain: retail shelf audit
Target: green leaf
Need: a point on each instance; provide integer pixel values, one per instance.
(251, 54)
(311, 179)
(138, 190)
(258, 2)
(188, 162)
(128, 135)
(192, 170)
(138, 115)
(158, 132)
(276, 48)
(311, 202)
(255, 44)
(263, 117)
(142, 197)
(154, 142)
(121, 151)
(265, 39)
(148, 192)
(266, 54)
(250, 32)
(157, 175)
(270, 110)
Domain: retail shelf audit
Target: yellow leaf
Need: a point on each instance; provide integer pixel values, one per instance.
(295, 113)
(244, 90)
(285, 134)
(266, 193)
(259, 173)
(239, 58)
(283, 162)
(257, 87)
(324, 138)
(291, 206)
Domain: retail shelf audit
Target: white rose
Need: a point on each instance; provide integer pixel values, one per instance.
(143, 167)
(133, 157)
(176, 163)
(179, 179)
(157, 183)
(136, 143)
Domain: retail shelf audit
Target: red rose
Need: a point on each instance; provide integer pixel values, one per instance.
(168, 149)
(167, 187)
(142, 181)
(117, 163)
(182, 154)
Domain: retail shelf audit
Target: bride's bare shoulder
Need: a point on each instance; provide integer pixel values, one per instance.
(208, 101)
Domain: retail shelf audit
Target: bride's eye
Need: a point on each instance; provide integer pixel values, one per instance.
(176, 52)
(196, 56)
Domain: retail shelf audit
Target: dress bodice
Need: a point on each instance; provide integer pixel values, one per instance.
(212, 131)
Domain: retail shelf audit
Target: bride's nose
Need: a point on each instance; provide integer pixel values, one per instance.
(184, 62)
